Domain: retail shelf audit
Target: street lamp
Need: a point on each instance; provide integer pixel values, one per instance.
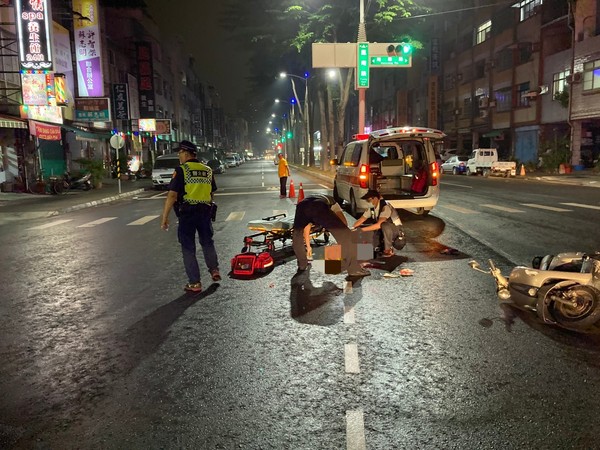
(303, 114)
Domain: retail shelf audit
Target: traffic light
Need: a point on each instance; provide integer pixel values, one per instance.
(289, 135)
(401, 49)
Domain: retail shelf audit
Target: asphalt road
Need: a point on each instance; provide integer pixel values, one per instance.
(101, 348)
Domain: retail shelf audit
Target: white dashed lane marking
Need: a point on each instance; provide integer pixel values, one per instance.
(96, 222)
(460, 209)
(51, 224)
(351, 358)
(503, 208)
(143, 220)
(549, 208)
(580, 205)
(235, 215)
(355, 430)
(349, 316)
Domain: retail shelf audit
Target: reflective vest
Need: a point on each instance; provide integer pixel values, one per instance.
(198, 183)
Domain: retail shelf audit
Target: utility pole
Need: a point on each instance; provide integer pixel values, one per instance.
(362, 37)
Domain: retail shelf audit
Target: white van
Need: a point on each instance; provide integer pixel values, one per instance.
(386, 160)
(163, 169)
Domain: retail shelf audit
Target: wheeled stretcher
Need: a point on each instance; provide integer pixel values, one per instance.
(277, 228)
(270, 230)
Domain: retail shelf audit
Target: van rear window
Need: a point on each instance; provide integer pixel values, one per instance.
(166, 163)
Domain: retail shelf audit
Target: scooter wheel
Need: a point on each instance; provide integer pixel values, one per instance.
(87, 187)
(583, 313)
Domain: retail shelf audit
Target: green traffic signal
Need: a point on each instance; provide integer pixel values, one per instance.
(289, 135)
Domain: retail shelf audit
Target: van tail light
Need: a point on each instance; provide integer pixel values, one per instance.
(363, 176)
(435, 173)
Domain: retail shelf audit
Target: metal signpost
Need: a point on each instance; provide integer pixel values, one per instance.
(117, 142)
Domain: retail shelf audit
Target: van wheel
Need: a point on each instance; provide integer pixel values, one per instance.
(353, 206)
(336, 196)
(486, 172)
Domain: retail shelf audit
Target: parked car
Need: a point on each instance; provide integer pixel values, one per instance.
(455, 164)
(163, 169)
(216, 165)
(231, 161)
(386, 160)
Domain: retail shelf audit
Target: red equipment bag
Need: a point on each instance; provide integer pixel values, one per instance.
(249, 264)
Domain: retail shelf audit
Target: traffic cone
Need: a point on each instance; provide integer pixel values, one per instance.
(292, 190)
(522, 170)
(300, 194)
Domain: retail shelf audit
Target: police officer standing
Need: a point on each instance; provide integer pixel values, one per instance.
(190, 194)
(323, 210)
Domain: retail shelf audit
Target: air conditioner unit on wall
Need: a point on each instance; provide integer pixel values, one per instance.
(575, 78)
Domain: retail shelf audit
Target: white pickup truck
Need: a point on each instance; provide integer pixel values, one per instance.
(484, 161)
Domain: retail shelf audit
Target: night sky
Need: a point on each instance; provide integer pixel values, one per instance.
(217, 61)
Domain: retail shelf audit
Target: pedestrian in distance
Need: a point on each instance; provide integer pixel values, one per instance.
(324, 211)
(383, 220)
(283, 171)
(191, 196)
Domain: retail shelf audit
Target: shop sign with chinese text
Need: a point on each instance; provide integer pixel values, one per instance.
(92, 109)
(88, 49)
(33, 30)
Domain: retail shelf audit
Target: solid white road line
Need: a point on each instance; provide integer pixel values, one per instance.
(580, 205)
(459, 209)
(351, 358)
(355, 430)
(503, 208)
(458, 185)
(51, 224)
(142, 221)
(96, 222)
(236, 215)
(549, 208)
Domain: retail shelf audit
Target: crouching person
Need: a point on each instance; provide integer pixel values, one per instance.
(323, 210)
(384, 221)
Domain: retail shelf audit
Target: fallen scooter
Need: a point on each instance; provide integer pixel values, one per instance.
(563, 289)
(84, 182)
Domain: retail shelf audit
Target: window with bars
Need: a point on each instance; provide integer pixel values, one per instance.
(559, 82)
(591, 75)
(467, 111)
(483, 32)
(503, 99)
(527, 8)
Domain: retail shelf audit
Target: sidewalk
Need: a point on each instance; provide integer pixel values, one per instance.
(15, 206)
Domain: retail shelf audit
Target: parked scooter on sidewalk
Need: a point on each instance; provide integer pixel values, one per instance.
(563, 289)
(83, 182)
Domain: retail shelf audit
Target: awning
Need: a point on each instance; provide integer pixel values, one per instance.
(493, 134)
(12, 122)
(87, 134)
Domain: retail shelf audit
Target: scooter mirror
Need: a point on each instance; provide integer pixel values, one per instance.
(474, 265)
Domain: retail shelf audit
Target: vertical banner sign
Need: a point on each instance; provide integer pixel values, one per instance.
(143, 51)
(33, 29)
(434, 56)
(88, 49)
(120, 101)
(432, 116)
(362, 69)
